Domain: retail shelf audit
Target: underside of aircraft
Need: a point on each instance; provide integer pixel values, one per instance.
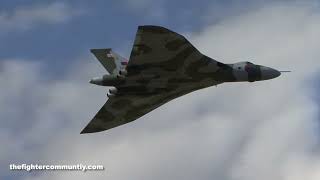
(163, 65)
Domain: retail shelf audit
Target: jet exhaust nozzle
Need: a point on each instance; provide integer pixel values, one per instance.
(110, 95)
(96, 80)
(113, 90)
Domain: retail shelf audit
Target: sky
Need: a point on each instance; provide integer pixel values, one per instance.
(235, 131)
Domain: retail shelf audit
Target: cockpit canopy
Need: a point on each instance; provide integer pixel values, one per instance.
(251, 70)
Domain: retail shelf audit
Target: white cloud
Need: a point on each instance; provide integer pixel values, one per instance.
(22, 18)
(239, 131)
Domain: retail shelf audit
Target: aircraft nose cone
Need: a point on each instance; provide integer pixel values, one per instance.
(269, 73)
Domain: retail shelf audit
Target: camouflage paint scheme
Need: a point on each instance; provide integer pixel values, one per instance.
(163, 65)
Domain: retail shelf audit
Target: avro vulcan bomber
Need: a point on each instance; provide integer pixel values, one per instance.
(163, 65)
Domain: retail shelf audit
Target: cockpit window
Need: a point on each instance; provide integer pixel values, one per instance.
(253, 71)
(250, 68)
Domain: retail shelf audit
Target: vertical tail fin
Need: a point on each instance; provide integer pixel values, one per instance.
(110, 60)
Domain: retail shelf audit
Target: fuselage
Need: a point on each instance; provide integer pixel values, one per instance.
(215, 73)
(237, 72)
(247, 71)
